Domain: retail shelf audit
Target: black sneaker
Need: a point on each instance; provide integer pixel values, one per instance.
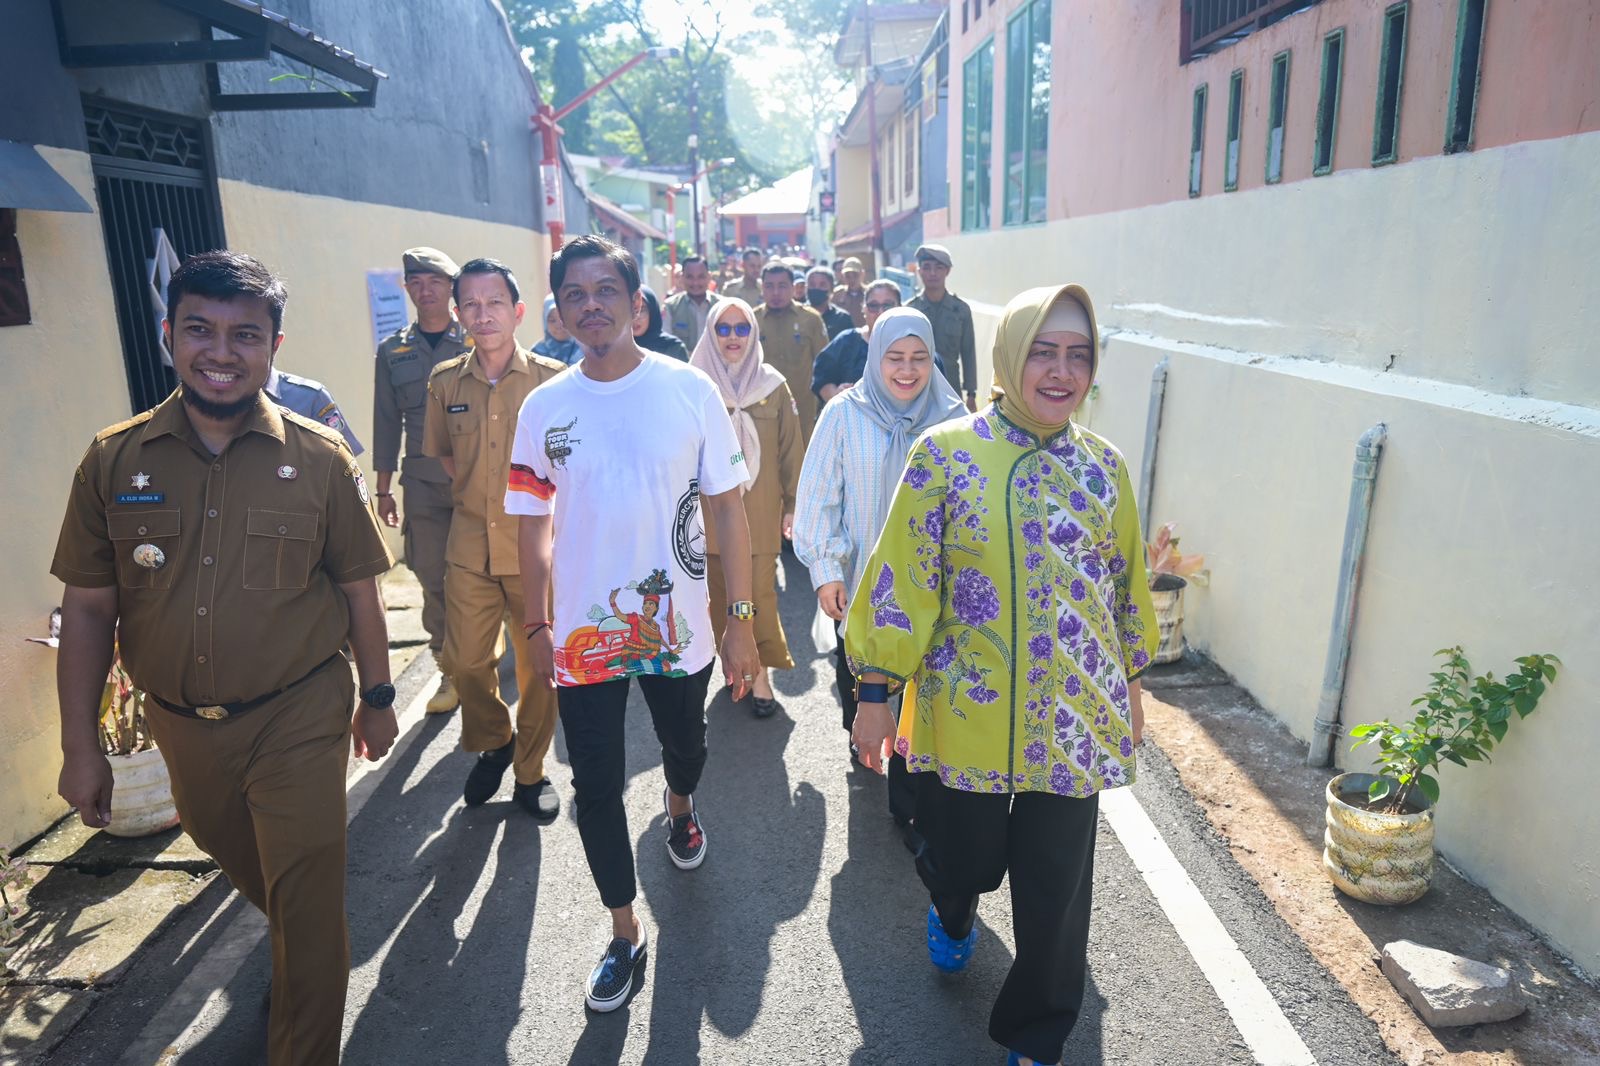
(539, 799)
(686, 837)
(484, 780)
(612, 978)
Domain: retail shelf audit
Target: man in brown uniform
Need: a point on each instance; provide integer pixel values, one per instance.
(791, 337)
(851, 296)
(473, 401)
(954, 338)
(748, 287)
(400, 402)
(228, 548)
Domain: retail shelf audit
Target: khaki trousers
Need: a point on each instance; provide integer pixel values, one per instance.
(423, 534)
(263, 794)
(771, 643)
(477, 605)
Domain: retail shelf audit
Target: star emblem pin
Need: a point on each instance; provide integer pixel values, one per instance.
(141, 480)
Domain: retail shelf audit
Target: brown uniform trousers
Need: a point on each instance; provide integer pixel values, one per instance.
(251, 546)
(790, 341)
(772, 496)
(399, 410)
(472, 423)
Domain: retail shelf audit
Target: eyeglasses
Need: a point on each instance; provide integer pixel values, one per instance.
(880, 307)
(741, 330)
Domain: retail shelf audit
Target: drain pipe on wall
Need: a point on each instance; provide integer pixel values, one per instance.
(1152, 433)
(1363, 480)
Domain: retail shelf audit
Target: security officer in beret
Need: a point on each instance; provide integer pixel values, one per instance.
(473, 402)
(228, 550)
(951, 318)
(310, 399)
(400, 402)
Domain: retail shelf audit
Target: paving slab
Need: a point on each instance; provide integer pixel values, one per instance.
(401, 589)
(71, 843)
(1449, 989)
(33, 1020)
(85, 929)
(405, 626)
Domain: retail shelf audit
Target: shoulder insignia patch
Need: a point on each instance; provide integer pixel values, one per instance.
(122, 427)
(293, 418)
(323, 414)
(82, 478)
(355, 474)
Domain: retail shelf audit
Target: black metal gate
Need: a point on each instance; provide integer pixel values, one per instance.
(152, 172)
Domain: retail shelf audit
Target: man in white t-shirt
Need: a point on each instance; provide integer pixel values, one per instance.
(617, 458)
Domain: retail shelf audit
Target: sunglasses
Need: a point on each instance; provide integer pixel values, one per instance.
(880, 307)
(742, 329)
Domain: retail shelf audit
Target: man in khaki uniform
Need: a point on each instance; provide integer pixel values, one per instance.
(684, 313)
(791, 337)
(851, 296)
(748, 287)
(473, 401)
(227, 546)
(954, 337)
(400, 402)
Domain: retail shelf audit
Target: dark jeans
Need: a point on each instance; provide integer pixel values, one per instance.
(592, 718)
(1046, 842)
(902, 795)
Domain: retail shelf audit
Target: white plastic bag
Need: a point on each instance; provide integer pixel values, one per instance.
(822, 634)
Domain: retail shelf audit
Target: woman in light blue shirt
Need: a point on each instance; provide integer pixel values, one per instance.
(856, 456)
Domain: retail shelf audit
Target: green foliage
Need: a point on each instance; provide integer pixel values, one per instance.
(1462, 718)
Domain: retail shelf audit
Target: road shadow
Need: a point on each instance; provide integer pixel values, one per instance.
(797, 604)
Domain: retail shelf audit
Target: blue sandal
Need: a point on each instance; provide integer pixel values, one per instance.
(944, 952)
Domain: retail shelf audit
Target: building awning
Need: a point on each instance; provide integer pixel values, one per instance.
(610, 212)
(789, 195)
(249, 32)
(28, 183)
(860, 238)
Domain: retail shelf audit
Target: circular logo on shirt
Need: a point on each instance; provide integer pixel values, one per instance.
(689, 533)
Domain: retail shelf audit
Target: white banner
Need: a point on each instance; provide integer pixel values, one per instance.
(386, 296)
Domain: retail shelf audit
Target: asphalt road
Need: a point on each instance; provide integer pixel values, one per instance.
(799, 940)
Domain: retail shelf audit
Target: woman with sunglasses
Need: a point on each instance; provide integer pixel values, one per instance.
(768, 425)
(841, 363)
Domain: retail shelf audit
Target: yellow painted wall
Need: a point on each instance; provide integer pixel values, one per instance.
(853, 190)
(1279, 311)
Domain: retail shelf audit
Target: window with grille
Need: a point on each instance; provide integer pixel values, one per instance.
(1197, 140)
(1277, 117)
(977, 133)
(1230, 171)
(1328, 101)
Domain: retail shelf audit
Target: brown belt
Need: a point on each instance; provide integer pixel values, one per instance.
(216, 712)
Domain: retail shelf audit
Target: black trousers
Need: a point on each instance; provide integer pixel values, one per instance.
(902, 793)
(1046, 843)
(592, 717)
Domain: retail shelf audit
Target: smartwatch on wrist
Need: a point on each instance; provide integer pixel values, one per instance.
(743, 610)
(379, 697)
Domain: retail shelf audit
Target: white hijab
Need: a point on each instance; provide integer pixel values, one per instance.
(742, 384)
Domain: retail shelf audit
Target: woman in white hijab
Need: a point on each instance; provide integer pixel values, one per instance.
(768, 424)
(856, 457)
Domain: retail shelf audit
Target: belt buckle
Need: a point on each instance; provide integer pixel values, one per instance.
(212, 712)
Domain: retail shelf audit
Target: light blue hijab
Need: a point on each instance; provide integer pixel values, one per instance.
(904, 420)
(567, 351)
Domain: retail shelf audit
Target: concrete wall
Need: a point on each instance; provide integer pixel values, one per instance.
(1280, 310)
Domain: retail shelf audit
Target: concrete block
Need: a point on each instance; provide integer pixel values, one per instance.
(84, 928)
(1448, 990)
(35, 1018)
(74, 844)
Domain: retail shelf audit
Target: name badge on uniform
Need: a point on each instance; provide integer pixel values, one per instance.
(394, 359)
(141, 497)
(457, 408)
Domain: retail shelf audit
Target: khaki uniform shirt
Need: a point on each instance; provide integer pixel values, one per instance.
(685, 319)
(400, 399)
(790, 340)
(252, 546)
(748, 291)
(853, 302)
(772, 496)
(953, 338)
(472, 423)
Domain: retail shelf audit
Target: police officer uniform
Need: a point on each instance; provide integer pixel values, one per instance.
(310, 399)
(790, 340)
(227, 569)
(405, 359)
(953, 333)
(472, 421)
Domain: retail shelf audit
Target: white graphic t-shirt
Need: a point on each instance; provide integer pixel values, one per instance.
(621, 465)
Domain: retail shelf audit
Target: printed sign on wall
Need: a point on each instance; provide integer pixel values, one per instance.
(386, 296)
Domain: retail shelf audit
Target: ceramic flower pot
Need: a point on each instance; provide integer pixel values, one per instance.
(1167, 592)
(141, 795)
(1373, 856)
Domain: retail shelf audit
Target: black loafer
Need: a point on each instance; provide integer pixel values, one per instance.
(487, 770)
(539, 799)
(763, 708)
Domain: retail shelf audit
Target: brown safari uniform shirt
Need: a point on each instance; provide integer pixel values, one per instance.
(790, 340)
(254, 543)
(472, 422)
(748, 291)
(400, 399)
(853, 302)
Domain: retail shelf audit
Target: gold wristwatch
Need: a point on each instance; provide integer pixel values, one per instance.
(743, 610)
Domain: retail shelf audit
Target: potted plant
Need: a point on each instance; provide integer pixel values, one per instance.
(141, 797)
(1379, 841)
(1169, 573)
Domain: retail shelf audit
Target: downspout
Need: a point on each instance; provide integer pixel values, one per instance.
(1152, 433)
(1363, 480)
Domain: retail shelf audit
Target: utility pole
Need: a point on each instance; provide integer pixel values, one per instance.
(872, 135)
(694, 161)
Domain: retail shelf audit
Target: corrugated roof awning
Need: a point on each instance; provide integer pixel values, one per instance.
(28, 183)
(250, 32)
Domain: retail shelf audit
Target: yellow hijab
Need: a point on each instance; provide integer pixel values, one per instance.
(1018, 326)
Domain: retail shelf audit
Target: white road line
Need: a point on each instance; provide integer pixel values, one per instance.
(1257, 1016)
(177, 1025)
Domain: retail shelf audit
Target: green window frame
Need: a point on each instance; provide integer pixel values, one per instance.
(1461, 119)
(1197, 140)
(1391, 80)
(977, 135)
(1328, 103)
(1277, 116)
(1230, 167)
(1028, 69)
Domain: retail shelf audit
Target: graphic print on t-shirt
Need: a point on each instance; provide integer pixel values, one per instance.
(620, 642)
(689, 533)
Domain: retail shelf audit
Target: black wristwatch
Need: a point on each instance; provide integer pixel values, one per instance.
(379, 697)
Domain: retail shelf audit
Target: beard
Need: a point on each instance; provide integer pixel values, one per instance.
(220, 412)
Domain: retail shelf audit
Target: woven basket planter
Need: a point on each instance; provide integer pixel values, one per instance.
(141, 795)
(1167, 592)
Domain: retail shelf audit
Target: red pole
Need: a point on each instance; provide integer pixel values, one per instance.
(550, 174)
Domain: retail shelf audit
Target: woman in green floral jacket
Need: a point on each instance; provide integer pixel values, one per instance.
(1007, 594)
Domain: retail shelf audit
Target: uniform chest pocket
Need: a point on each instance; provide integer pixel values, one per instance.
(463, 423)
(765, 410)
(277, 548)
(410, 381)
(146, 545)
